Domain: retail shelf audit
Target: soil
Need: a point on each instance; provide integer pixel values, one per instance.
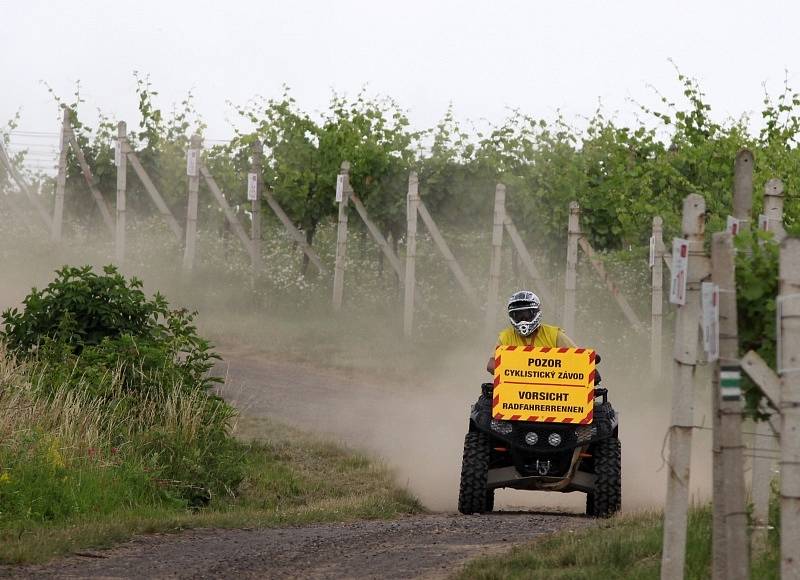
(343, 405)
(430, 546)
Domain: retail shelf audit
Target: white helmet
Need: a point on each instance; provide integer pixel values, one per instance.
(524, 312)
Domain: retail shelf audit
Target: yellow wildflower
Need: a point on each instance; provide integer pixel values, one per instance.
(5, 477)
(54, 454)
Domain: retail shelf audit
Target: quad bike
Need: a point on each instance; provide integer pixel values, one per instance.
(542, 456)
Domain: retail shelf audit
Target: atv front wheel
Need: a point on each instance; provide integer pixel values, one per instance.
(473, 497)
(606, 499)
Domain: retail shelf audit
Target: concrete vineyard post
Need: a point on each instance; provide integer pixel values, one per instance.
(341, 238)
(376, 234)
(525, 256)
(682, 414)
(193, 172)
(612, 288)
(448, 256)
(497, 257)
(154, 194)
(122, 170)
(657, 301)
(727, 398)
(226, 208)
(254, 188)
(763, 465)
(89, 178)
(61, 179)
(773, 208)
(570, 278)
(789, 371)
(412, 210)
(296, 235)
(23, 185)
(743, 187)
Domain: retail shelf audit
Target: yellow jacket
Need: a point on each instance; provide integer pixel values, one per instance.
(545, 335)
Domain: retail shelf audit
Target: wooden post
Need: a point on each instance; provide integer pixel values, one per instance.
(536, 279)
(121, 158)
(773, 208)
(341, 239)
(61, 179)
(193, 172)
(255, 204)
(449, 258)
(226, 209)
(743, 187)
(682, 420)
(411, 254)
(789, 371)
(727, 397)
(87, 175)
(657, 302)
(497, 257)
(570, 278)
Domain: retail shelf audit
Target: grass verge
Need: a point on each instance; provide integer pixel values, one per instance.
(290, 478)
(627, 546)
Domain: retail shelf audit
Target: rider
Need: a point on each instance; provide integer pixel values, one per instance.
(525, 314)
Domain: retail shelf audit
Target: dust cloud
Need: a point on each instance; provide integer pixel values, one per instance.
(422, 436)
(342, 376)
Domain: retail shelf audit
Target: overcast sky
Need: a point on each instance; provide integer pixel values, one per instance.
(481, 56)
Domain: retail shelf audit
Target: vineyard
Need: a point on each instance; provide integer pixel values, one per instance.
(621, 177)
(376, 241)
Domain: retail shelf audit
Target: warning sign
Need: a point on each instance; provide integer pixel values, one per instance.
(544, 384)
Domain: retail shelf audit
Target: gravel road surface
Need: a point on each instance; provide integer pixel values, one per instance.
(431, 546)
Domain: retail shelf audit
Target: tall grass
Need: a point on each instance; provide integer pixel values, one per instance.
(65, 452)
(627, 546)
(77, 470)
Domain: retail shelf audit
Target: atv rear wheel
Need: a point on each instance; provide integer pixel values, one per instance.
(472, 495)
(606, 499)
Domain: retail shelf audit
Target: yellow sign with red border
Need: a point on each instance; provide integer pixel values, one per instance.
(552, 385)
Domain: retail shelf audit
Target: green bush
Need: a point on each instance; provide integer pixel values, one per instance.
(88, 326)
(757, 287)
(132, 372)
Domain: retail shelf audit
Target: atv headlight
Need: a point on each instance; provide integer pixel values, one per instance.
(531, 438)
(502, 427)
(554, 439)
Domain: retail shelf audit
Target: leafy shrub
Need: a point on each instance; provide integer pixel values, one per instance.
(756, 289)
(135, 372)
(87, 325)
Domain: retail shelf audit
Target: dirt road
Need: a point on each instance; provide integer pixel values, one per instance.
(415, 547)
(417, 429)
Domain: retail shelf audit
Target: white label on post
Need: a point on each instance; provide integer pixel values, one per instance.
(117, 154)
(732, 225)
(709, 296)
(680, 268)
(252, 186)
(191, 162)
(339, 188)
(763, 222)
(652, 251)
